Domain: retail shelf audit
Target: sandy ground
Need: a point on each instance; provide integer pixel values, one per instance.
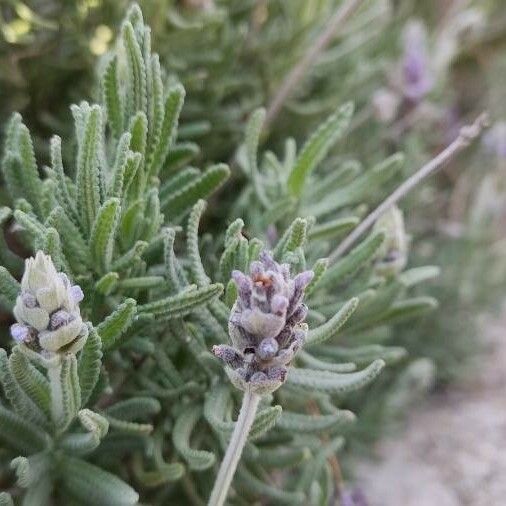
(453, 452)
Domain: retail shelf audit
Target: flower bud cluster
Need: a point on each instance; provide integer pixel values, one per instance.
(266, 325)
(47, 309)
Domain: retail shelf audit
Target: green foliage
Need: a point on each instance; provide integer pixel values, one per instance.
(144, 404)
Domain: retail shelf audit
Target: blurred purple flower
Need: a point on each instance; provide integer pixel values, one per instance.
(352, 497)
(416, 75)
(495, 139)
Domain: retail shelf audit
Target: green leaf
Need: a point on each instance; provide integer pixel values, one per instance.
(331, 328)
(279, 457)
(314, 363)
(134, 409)
(361, 189)
(131, 258)
(31, 380)
(103, 234)
(9, 287)
(6, 499)
(83, 443)
(93, 485)
(65, 391)
(89, 363)
(227, 259)
(363, 354)
(141, 283)
(137, 85)
(75, 247)
(20, 434)
(62, 190)
(198, 273)
(112, 99)
(252, 138)
(179, 203)
(275, 494)
(318, 269)
(111, 329)
(298, 423)
(418, 275)
(107, 283)
(165, 139)
(354, 260)
(332, 229)
(317, 147)
(18, 398)
(88, 170)
(264, 421)
(311, 379)
(293, 238)
(183, 303)
(197, 460)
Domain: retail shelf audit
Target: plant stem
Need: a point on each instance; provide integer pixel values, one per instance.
(466, 136)
(291, 81)
(235, 447)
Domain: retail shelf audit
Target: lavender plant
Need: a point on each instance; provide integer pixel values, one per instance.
(140, 377)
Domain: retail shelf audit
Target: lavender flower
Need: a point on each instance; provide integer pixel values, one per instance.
(266, 325)
(47, 309)
(416, 74)
(353, 497)
(495, 140)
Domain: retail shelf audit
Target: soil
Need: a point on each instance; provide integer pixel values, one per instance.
(453, 451)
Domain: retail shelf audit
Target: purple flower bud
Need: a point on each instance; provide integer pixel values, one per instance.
(279, 304)
(258, 377)
(267, 348)
(229, 355)
(266, 324)
(277, 374)
(60, 318)
(29, 300)
(77, 293)
(20, 333)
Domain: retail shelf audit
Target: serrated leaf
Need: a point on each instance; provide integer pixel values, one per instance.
(300, 423)
(197, 460)
(111, 329)
(137, 86)
(179, 203)
(93, 485)
(19, 433)
(165, 139)
(89, 363)
(134, 409)
(103, 234)
(198, 273)
(112, 99)
(88, 170)
(311, 379)
(183, 303)
(317, 147)
(330, 329)
(354, 260)
(9, 287)
(31, 380)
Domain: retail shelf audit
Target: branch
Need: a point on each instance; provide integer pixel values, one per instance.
(466, 136)
(295, 75)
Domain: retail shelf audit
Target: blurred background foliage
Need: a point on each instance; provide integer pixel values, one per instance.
(231, 56)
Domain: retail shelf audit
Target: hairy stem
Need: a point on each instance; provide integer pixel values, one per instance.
(235, 447)
(466, 136)
(310, 57)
